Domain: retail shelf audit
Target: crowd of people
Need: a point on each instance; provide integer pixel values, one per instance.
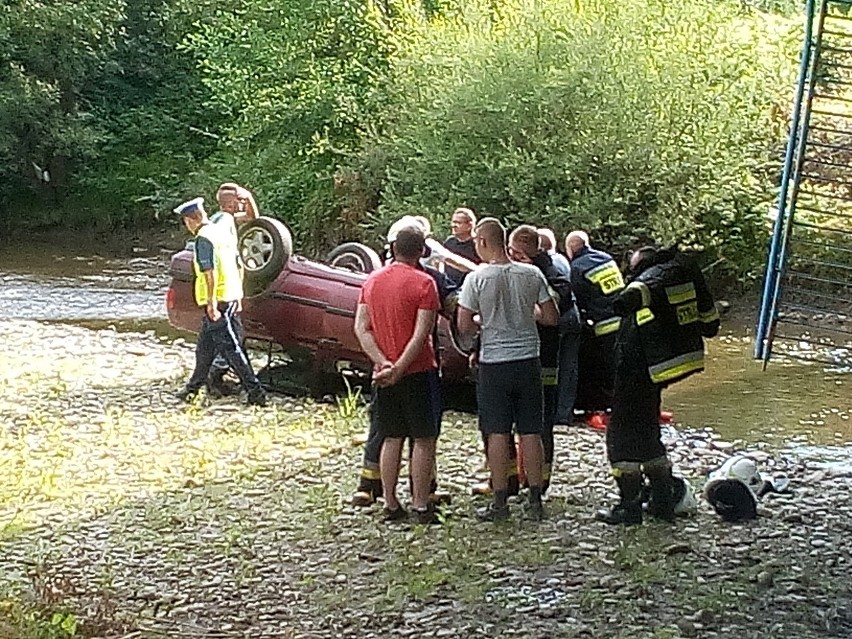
(553, 334)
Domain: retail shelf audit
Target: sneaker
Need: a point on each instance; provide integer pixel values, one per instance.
(257, 398)
(425, 517)
(493, 513)
(399, 514)
(362, 499)
(187, 394)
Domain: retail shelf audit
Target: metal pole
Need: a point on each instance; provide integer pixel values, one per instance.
(784, 244)
(771, 274)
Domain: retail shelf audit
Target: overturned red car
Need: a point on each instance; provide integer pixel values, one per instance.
(302, 305)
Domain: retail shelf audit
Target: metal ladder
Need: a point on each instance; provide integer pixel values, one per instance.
(806, 303)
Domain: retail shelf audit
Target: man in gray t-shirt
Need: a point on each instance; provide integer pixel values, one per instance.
(509, 299)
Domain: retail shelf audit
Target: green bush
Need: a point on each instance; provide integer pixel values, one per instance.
(635, 120)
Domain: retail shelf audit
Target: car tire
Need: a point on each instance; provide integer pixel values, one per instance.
(465, 344)
(265, 246)
(354, 256)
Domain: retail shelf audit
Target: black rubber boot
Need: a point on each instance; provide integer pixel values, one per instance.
(628, 511)
(662, 502)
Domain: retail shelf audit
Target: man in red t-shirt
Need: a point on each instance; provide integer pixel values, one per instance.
(393, 323)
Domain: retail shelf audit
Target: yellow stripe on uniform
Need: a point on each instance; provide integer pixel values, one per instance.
(643, 290)
(680, 293)
(549, 376)
(709, 316)
(643, 316)
(676, 367)
(607, 277)
(371, 473)
(607, 326)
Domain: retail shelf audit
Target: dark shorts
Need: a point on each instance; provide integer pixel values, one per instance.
(510, 393)
(410, 408)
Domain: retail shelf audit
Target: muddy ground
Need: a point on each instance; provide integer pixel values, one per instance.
(126, 514)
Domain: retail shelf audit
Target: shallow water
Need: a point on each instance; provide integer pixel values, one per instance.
(803, 408)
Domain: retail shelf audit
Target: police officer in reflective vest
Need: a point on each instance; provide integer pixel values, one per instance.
(667, 311)
(596, 281)
(218, 291)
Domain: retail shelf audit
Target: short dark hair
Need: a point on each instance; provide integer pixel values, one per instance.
(492, 231)
(409, 243)
(527, 236)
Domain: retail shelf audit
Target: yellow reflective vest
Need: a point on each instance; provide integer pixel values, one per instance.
(226, 272)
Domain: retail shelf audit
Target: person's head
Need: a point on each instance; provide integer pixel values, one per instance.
(408, 245)
(640, 259)
(462, 223)
(524, 244)
(193, 214)
(547, 240)
(490, 239)
(575, 241)
(230, 197)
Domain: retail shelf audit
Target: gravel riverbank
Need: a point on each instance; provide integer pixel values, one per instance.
(126, 514)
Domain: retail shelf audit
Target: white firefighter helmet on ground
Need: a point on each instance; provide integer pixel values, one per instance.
(734, 488)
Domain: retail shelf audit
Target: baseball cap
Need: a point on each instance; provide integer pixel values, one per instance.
(189, 207)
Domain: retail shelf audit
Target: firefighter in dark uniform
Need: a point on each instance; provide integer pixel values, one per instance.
(667, 311)
(596, 281)
(370, 481)
(524, 246)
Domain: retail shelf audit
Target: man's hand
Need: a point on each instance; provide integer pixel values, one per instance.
(387, 375)
(213, 313)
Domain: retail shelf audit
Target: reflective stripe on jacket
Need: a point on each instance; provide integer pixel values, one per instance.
(596, 281)
(668, 310)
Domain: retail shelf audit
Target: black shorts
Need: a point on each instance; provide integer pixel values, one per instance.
(410, 408)
(510, 393)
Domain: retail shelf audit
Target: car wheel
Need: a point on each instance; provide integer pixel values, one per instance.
(466, 344)
(265, 246)
(354, 256)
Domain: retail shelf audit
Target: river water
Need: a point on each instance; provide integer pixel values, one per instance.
(800, 409)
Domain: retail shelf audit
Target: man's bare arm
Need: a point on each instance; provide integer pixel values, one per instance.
(212, 304)
(549, 314)
(364, 333)
(448, 257)
(464, 318)
(251, 211)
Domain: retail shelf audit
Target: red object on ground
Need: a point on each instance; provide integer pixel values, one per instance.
(599, 421)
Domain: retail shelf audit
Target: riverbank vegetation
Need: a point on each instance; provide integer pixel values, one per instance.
(637, 119)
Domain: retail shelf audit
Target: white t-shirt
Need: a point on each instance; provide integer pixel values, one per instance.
(505, 296)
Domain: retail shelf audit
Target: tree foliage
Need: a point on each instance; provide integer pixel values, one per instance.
(636, 119)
